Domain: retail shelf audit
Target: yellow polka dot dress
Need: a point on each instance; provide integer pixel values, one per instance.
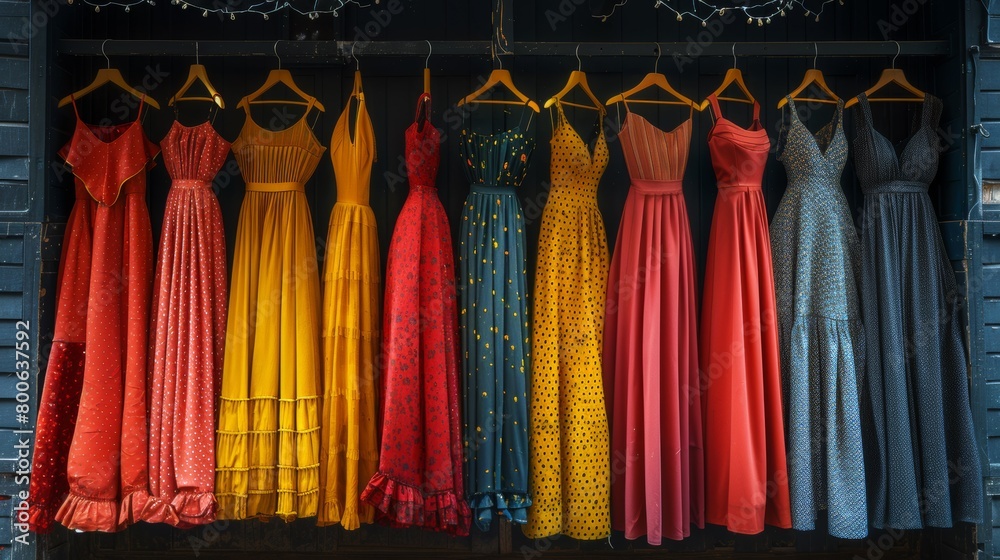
(569, 452)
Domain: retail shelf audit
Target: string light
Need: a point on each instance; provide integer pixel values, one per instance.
(760, 12)
(312, 9)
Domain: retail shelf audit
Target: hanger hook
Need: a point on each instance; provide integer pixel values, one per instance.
(659, 53)
(579, 63)
(357, 63)
(278, 56)
(815, 54)
(104, 53)
(430, 49)
(897, 54)
(734, 54)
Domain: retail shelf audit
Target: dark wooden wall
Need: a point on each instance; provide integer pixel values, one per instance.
(392, 85)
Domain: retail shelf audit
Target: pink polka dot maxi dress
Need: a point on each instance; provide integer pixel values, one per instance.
(188, 332)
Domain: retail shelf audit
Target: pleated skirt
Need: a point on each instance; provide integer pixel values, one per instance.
(920, 449)
(651, 369)
(351, 292)
(187, 340)
(746, 481)
(493, 328)
(268, 438)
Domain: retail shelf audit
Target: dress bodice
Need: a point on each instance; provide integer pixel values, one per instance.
(877, 164)
(423, 151)
(193, 153)
(738, 154)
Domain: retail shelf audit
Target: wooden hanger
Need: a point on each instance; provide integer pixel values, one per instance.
(654, 79)
(576, 78)
(104, 76)
(501, 77)
(812, 76)
(733, 76)
(198, 73)
(890, 76)
(275, 77)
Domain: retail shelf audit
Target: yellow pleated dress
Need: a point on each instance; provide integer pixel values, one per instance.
(351, 320)
(268, 444)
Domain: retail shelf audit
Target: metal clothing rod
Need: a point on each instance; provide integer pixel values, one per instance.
(340, 51)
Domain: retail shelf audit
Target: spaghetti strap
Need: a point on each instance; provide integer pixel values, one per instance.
(142, 103)
(526, 109)
(756, 111)
(72, 100)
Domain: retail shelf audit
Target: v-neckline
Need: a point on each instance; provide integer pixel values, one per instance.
(591, 153)
(836, 123)
(909, 141)
(357, 118)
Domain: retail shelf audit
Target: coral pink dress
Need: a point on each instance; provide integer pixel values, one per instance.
(188, 332)
(106, 464)
(651, 345)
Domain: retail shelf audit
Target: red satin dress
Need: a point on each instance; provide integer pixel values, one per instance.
(188, 332)
(106, 463)
(419, 480)
(746, 476)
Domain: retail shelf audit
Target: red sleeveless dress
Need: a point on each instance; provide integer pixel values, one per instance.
(746, 483)
(106, 463)
(419, 480)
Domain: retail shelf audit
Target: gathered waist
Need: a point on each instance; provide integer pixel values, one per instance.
(573, 193)
(652, 186)
(483, 188)
(191, 184)
(275, 187)
(897, 187)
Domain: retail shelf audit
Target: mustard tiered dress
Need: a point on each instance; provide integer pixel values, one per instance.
(569, 457)
(350, 325)
(268, 431)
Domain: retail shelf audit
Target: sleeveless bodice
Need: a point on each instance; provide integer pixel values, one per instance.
(423, 152)
(738, 154)
(353, 157)
(809, 159)
(575, 170)
(499, 160)
(269, 159)
(876, 162)
(652, 154)
(193, 153)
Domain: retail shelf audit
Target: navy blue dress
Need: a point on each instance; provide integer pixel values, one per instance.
(921, 460)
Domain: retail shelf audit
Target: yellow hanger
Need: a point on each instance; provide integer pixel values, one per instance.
(889, 76)
(104, 76)
(733, 76)
(656, 79)
(500, 77)
(198, 73)
(812, 76)
(576, 78)
(274, 77)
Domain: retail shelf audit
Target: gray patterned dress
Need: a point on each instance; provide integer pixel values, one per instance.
(921, 459)
(816, 269)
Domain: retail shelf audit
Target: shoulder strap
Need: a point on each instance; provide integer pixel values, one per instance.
(526, 109)
(357, 90)
(716, 111)
(423, 102)
(756, 111)
(72, 100)
(142, 103)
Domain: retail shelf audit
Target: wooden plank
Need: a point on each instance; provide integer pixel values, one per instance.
(989, 75)
(13, 169)
(13, 139)
(11, 279)
(14, 72)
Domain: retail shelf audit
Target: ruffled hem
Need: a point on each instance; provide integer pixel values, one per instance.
(514, 507)
(40, 517)
(85, 514)
(132, 506)
(401, 505)
(186, 510)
